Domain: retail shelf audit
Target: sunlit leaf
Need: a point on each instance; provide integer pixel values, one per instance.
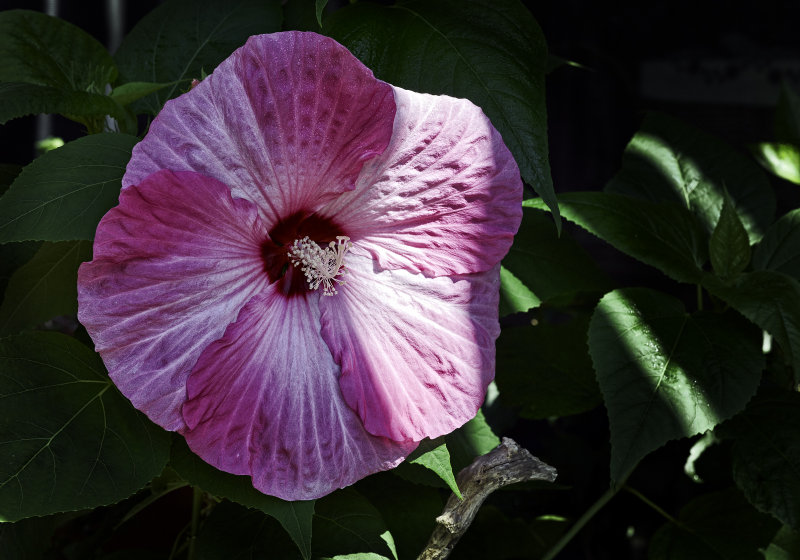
(719, 526)
(663, 235)
(488, 51)
(68, 439)
(514, 295)
(181, 38)
(45, 287)
(295, 517)
(782, 160)
(63, 194)
(545, 370)
(670, 161)
(435, 457)
(665, 374)
(346, 522)
(766, 454)
(473, 439)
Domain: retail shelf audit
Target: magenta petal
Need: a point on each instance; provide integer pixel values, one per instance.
(416, 353)
(264, 400)
(173, 264)
(444, 198)
(286, 121)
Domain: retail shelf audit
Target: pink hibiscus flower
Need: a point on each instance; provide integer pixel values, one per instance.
(302, 273)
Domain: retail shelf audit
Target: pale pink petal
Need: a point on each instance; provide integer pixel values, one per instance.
(173, 264)
(286, 121)
(264, 400)
(444, 198)
(416, 353)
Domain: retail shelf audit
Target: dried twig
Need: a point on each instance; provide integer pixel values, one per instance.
(505, 464)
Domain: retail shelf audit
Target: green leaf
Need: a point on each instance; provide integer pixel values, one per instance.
(358, 556)
(545, 370)
(769, 299)
(473, 439)
(766, 454)
(126, 94)
(729, 247)
(45, 287)
(319, 7)
(787, 116)
(718, 526)
(63, 194)
(39, 49)
(295, 517)
(68, 439)
(551, 266)
(488, 51)
(436, 458)
(785, 545)
(662, 235)
(180, 38)
(514, 295)
(665, 374)
(346, 522)
(233, 531)
(669, 161)
(21, 99)
(782, 160)
(779, 250)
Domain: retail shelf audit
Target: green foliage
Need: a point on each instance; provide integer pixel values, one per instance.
(666, 374)
(719, 526)
(294, 517)
(63, 194)
(44, 287)
(766, 454)
(435, 457)
(729, 247)
(180, 39)
(490, 52)
(86, 446)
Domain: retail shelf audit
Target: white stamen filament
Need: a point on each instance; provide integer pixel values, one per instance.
(321, 265)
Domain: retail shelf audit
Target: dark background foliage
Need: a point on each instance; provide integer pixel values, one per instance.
(712, 65)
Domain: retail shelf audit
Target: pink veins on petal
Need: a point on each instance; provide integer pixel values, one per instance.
(302, 273)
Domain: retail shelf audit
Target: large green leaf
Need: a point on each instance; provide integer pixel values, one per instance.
(68, 439)
(552, 266)
(491, 52)
(45, 287)
(181, 39)
(779, 250)
(729, 248)
(718, 526)
(346, 522)
(234, 531)
(766, 454)
(661, 234)
(665, 374)
(63, 194)
(769, 299)
(21, 99)
(670, 161)
(39, 49)
(295, 517)
(545, 370)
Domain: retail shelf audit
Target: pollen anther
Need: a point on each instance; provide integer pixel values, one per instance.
(321, 265)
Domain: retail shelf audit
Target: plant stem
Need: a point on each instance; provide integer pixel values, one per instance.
(197, 500)
(652, 504)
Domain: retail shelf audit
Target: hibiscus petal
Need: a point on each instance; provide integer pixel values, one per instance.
(173, 264)
(286, 121)
(416, 353)
(264, 400)
(444, 198)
